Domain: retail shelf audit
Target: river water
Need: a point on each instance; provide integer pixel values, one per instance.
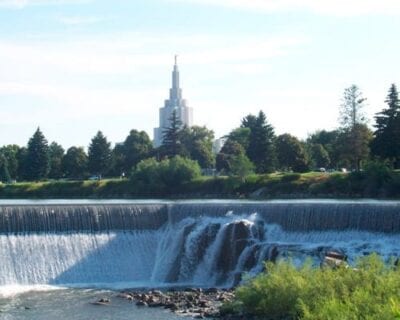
(75, 304)
(52, 251)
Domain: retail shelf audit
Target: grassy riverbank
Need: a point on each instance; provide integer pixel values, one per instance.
(369, 291)
(289, 185)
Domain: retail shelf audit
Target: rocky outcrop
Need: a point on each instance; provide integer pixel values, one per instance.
(195, 302)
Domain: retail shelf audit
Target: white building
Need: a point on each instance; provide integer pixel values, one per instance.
(175, 102)
(218, 144)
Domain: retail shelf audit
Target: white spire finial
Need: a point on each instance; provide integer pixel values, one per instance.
(176, 59)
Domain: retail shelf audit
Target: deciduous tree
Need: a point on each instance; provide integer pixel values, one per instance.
(319, 156)
(197, 143)
(56, 153)
(75, 163)
(136, 147)
(10, 152)
(4, 174)
(229, 151)
(291, 153)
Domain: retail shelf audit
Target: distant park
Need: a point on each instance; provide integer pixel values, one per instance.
(354, 160)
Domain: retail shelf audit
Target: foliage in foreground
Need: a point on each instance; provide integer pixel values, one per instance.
(369, 291)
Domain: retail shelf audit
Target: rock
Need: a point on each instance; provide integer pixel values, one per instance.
(157, 293)
(334, 259)
(210, 290)
(274, 254)
(203, 303)
(155, 304)
(172, 306)
(141, 303)
(336, 255)
(126, 296)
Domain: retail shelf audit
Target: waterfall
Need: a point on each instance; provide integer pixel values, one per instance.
(182, 243)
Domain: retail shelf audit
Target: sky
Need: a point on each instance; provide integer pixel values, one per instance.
(73, 67)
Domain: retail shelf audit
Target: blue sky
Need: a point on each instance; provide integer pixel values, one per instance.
(73, 67)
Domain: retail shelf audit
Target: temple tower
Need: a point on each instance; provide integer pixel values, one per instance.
(175, 102)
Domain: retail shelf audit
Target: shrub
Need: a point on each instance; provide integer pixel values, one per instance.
(172, 173)
(369, 291)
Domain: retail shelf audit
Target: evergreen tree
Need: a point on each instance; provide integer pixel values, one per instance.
(351, 111)
(56, 153)
(261, 149)
(172, 144)
(37, 158)
(99, 155)
(75, 163)
(386, 143)
(354, 138)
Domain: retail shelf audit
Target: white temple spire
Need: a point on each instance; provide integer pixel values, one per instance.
(175, 102)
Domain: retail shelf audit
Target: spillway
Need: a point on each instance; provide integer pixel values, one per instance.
(182, 243)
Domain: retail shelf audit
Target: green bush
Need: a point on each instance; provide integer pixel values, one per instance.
(368, 291)
(158, 176)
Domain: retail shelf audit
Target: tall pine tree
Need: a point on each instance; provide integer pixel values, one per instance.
(99, 155)
(354, 132)
(386, 143)
(261, 150)
(37, 157)
(172, 144)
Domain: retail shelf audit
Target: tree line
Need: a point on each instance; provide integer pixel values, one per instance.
(252, 147)
(349, 146)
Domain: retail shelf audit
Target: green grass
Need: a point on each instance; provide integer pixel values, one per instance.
(264, 186)
(370, 291)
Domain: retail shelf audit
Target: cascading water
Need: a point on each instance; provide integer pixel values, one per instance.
(200, 244)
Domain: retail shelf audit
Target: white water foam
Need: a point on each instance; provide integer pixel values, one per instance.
(182, 253)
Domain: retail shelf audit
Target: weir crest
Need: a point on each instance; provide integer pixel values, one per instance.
(182, 243)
